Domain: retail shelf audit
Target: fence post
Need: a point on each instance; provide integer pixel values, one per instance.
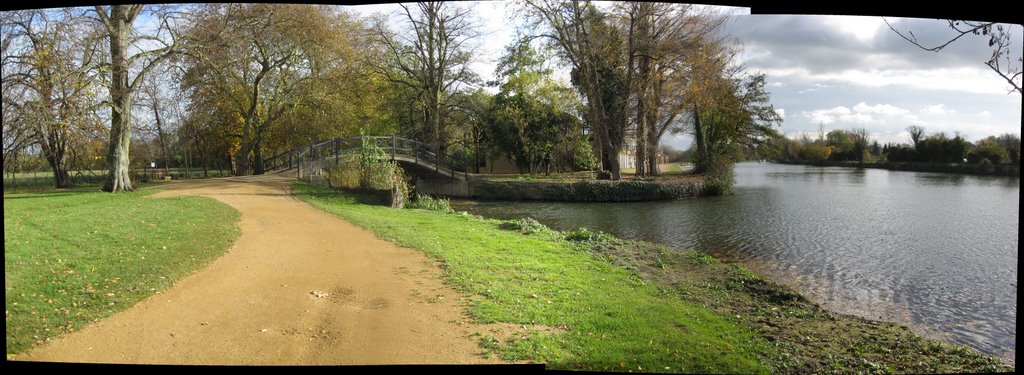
(392, 147)
(337, 149)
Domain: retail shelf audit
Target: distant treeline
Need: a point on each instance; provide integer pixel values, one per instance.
(938, 148)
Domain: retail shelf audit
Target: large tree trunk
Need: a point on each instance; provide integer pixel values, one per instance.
(161, 138)
(700, 165)
(257, 159)
(118, 178)
(640, 146)
(242, 161)
(55, 151)
(57, 158)
(642, 118)
(653, 134)
(640, 40)
(599, 124)
(652, 145)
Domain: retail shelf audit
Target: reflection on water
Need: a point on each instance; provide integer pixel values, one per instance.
(934, 251)
(939, 179)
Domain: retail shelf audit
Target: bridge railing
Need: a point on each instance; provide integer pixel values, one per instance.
(311, 160)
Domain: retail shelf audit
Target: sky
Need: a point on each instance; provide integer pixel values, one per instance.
(839, 72)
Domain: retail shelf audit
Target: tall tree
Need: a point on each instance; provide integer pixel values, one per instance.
(663, 38)
(49, 82)
(160, 101)
(585, 39)
(859, 136)
(256, 63)
(531, 111)
(734, 111)
(916, 134)
(430, 60)
(344, 96)
(118, 21)
(1011, 142)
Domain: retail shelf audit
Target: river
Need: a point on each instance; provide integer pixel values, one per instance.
(937, 252)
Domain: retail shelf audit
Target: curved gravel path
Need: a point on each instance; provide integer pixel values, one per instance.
(299, 287)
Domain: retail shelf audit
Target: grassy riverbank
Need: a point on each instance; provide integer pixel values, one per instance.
(586, 314)
(605, 304)
(75, 256)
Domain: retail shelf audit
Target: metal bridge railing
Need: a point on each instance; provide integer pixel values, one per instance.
(311, 160)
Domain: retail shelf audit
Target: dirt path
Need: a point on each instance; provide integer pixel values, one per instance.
(299, 287)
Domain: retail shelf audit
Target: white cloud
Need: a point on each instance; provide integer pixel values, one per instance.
(882, 109)
(861, 27)
(781, 112)
(938, 109)
(828, 116)
(967, 79)
(862, 113)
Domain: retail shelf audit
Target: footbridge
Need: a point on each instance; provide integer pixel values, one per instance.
(417, 158)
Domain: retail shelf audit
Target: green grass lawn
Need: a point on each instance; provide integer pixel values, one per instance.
(75, 256)
(605, 317)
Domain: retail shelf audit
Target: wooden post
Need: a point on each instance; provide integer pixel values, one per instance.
(337, 150)
(393, 144)
(437, 159)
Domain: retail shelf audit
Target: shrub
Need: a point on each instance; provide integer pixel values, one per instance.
(372, 172)
(815, 153)
(399, 187)
(584, 234)
(986, 165)
(715, 186)
(427, 202)
(378, 176)
(583, 155)
(525, 225)
(345, 175)
(991, 151)
(719, 180)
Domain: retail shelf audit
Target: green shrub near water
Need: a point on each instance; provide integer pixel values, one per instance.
(584, 234)
(373, 172)
(720, 180)
(345, 174)
(427, 202)
(526, 225)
